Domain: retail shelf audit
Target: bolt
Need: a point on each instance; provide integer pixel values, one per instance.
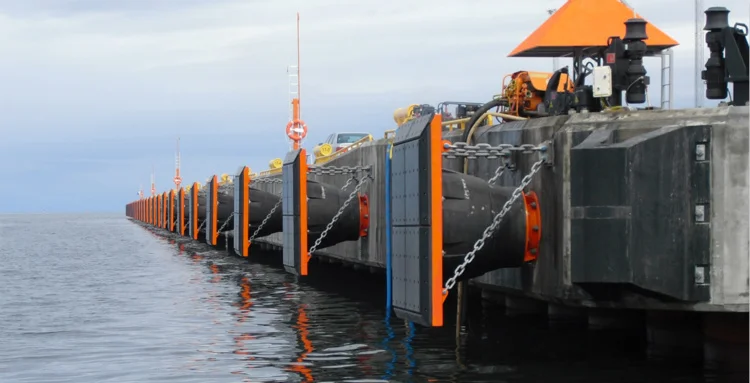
(535, 228)
(533, 205)
(700, 152)
(700, 213)
(533, 251)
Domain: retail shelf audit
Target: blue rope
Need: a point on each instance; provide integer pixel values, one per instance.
(388, 255)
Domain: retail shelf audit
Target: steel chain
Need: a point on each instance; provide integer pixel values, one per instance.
(225, 223)
(201, 225)
(348, 182)
(338, 214)
(498, 172)
(263, 223)
(500, 169)
(462, 149)
(490, 230)
(266, 180)
(334, 170)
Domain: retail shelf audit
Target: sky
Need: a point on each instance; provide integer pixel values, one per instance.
(96, 92)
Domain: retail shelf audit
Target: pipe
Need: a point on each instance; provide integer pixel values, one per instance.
(506, 116)
(388, 254)
(480, 114)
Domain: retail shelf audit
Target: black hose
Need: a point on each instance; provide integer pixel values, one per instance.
(478, 114)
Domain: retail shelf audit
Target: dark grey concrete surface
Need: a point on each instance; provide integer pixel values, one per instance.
(549, 278)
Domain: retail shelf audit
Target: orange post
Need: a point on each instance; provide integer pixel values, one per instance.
(436, 209)
(303, 211)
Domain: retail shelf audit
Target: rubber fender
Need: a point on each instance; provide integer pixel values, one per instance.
(261, 203)
(469, 206)
(224, 210)
(324, 201)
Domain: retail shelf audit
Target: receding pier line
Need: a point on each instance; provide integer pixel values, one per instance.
(573, 206)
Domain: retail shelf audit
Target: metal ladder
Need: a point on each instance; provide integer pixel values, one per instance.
(667, 78)
(293, 75)
(291, 71)
(177, 178)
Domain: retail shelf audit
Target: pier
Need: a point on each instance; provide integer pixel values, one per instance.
(574, 206)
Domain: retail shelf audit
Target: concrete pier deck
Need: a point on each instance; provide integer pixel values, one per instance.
(724, 264)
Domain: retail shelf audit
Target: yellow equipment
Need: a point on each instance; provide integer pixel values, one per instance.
(226, 179)
(275, 163)
(402, 115)
(323, 150)
(525, 91)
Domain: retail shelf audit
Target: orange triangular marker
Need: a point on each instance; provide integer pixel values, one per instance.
(585, 24)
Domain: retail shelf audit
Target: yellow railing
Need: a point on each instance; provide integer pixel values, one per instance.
(269, 172)
(461, 123)
(274, 165)
(355, 145)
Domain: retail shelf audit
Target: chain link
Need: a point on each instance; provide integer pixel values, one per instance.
(349, 182)
(498, 172)
(201, 225)
(462, 149)
(334, 170)
(266, 180)
(338, 214)
(505, 164)
(263, 223)
(490, 230)
(225, 223)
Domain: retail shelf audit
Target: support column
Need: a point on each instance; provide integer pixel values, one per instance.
(725, 345)
(517, 306)
(614, 319)
(674, 334)
(561, 315)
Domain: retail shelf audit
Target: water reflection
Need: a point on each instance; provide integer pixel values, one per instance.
(136, 307)
(332, 327)
(300, 366)
(390, 366)
(411, 362)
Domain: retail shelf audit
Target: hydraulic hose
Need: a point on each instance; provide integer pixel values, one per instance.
(480, 113)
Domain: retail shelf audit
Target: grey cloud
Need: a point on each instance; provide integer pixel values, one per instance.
(97, 87)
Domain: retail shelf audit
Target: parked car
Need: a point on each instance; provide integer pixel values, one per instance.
(340, 141)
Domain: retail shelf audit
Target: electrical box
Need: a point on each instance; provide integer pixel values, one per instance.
(602, 81)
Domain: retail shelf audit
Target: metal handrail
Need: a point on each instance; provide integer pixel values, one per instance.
(355, 145)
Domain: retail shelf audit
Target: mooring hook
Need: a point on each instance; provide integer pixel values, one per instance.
(546, 154)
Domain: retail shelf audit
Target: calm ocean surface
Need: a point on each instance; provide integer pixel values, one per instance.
(97, 298)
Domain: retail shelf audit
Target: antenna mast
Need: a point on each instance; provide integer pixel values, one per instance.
(699, 47)
(177, 179)
(296, 128)
(153, 183)
(299, 78)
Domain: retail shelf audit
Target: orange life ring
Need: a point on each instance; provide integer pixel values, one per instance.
(295, 134)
